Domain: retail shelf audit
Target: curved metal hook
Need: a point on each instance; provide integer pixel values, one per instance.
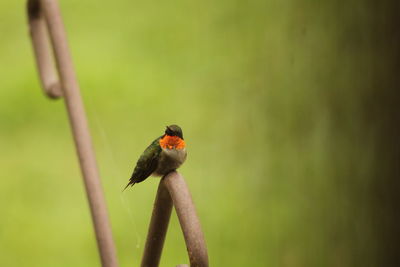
(174, 190)
(44, 58)
(45, 23)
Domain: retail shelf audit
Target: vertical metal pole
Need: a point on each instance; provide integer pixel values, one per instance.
(158, 228)
(77, 118)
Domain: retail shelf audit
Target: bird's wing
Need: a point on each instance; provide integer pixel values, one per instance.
(147, 163)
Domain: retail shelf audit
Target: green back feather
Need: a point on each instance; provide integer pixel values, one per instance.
(147, 163)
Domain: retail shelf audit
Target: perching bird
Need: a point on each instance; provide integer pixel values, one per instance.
(162, 156)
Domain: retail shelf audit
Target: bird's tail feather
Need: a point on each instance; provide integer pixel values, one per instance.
(131, 183)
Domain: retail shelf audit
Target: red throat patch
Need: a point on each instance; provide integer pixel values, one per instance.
(171, 142)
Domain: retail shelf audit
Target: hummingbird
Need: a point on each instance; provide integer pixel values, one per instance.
(165, 154)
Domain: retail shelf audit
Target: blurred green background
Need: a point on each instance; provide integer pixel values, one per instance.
(288, 109)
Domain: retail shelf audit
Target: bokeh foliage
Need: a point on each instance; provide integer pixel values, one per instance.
(288, 109)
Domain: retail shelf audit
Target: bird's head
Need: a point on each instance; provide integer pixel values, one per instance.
(174, 130)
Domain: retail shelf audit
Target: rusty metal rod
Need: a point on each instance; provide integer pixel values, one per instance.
(177, 189)
(158, 227)
(41, 12)
(190, 224)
